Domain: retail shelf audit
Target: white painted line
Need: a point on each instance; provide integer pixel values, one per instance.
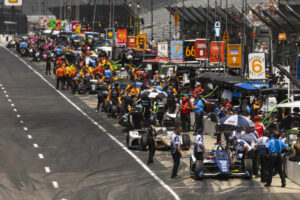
(25, 128)
(3, 88)
(12, 105)
(0, 85)
(9, 100)
(21, 122)
(41, 156)
(18, 116)
(137, 159)
(29, 136)
(55, 184)
(35, 145)
(6, 96)
(15, 110)
(4, 92)
(47, 170)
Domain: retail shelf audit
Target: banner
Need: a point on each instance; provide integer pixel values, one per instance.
(58, 24)
(77, 29)
(257, 66)
(131, 43)
(281, 36)
(13, 2)
(189, 50)
(163, 49)
(74, 23)
(121, 36)
(216, 52)
(63, 24)
(52, 24)
(176, 49)
(110, 33)
(201, 50)
(234, 55)
(68, 27)
(141, 42)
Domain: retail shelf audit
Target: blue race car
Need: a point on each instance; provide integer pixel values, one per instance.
(218, 163)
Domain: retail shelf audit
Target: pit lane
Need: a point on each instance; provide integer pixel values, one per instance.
(133, 179)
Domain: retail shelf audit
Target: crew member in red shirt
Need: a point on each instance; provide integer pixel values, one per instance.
(185, 109)
(259, 127)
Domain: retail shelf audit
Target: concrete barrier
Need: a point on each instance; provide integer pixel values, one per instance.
(292, 170)
(209, 126)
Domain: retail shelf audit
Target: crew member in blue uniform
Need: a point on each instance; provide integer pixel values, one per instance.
(274, 150)
(176, 150)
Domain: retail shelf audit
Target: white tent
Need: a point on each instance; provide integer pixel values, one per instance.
(294, 104)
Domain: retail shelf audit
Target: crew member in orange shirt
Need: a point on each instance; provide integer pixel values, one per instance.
(60, 73)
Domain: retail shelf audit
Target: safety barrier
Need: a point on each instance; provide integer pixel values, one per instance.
(209, 126)
(292, 171)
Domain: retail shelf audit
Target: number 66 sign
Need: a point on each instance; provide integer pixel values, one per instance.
(257, 66)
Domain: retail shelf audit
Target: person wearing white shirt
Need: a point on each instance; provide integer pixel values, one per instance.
(262, 150)
(251, 138)
(176, 150)
(238, 133)
(240, 146)
(199, 145)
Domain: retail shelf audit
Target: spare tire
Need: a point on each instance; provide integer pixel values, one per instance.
(186, 142)
(198, 169)
(144, 142)
(249, 166)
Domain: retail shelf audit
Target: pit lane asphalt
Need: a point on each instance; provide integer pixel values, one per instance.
(84, 162)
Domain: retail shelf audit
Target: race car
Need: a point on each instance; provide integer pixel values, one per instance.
(139, 139)
(218, 163)
(163, 137)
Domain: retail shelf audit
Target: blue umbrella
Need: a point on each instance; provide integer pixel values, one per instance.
(237, 120)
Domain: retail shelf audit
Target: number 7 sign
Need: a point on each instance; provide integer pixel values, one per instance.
(176, 49)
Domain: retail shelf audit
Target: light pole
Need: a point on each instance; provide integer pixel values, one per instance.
(152, 20)
(243, 40)
(138, 17)
(130, 15)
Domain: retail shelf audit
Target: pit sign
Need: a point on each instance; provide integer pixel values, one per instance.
(257, 66)
(13, 2)
(163, 49)
(234, 55)
(201, 49)
(176, 50)
(141, 42)
(189, 50)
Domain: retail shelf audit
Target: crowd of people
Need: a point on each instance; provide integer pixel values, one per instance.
(140, 99)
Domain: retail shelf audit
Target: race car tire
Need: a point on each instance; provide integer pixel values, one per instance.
(186, 142)
(198, 168)
(249, 166)
(114, 110)
(127, 140)
(144, 142)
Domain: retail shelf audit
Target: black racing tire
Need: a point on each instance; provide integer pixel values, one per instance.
(144, 142)
(127, 140)
(186, 142)
(198, 168)
(248, 163)
(114, 110)
(191, 167)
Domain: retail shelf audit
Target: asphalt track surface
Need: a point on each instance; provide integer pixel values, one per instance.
(53, 146)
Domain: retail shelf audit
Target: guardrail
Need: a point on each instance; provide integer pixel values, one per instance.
(292, 171)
